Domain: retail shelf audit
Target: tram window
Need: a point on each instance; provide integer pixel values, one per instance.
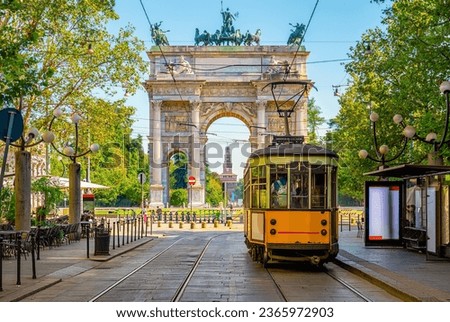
(318, 186)
(278, 186)
(299, 190)
(259, 192)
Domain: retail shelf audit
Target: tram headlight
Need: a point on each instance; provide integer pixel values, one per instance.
(323, 232)
(273, 231)
(273, 221)
(324, 222)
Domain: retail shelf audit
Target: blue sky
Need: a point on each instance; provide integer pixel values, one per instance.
(335, 27)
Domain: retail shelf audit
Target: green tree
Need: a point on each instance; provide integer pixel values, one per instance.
(400, 74)
(214, 192)
(74, 63)
(51, 193)
(118, 167)
(178, 197)
(178, 171)
(7, 205)
(239, 191)
(315, 120)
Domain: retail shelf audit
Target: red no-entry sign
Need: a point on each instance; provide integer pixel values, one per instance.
(191, 180)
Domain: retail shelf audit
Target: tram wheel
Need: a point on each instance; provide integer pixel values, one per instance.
(265, 259)
(253, 254)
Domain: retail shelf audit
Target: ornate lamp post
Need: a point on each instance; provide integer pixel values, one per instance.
(431, 138)
(74, 168)
(410, 133)
(382, 150)
(22, 181)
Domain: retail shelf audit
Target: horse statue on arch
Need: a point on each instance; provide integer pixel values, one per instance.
(204, 38)
(215, 38)
(255, 38)
(297, 34)
(237, 37)
(159, 36)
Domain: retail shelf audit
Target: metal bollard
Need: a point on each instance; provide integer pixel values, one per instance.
(38, 242)
(138, 224)
(18, 246)
(87, 240)
(128, 230)
(131, 229)
(123, 233)
(118, 234)
(1, 263)
(114, 235)
(33, 261)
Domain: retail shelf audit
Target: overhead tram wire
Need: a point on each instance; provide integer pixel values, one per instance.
(303, 37)
(256, 65)
(164, 56)
(295, 55)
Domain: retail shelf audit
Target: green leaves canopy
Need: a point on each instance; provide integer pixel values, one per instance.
(409, 57)
(60, 54)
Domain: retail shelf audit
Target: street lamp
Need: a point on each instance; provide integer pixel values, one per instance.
(409, 132)
(382, 150)
(431, 138)
(22, 180)
(74, 168)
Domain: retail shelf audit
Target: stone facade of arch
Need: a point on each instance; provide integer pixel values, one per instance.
(222, 81)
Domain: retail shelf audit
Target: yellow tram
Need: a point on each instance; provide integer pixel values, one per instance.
(290, 203)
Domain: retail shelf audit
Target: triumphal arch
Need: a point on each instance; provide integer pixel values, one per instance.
(190, 87)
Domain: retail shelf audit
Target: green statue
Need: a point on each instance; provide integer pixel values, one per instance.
(158, 35)
(296, 36)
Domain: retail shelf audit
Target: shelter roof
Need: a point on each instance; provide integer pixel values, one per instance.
(409, 171)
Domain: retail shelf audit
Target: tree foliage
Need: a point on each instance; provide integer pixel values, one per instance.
(71, 61)
(51, 193)
(213, 190)
(315, 120)
(400, 74)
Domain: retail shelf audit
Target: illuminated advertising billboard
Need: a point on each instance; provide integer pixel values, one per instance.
(384, 204)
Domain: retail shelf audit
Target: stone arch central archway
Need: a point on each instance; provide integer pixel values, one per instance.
(182, 111)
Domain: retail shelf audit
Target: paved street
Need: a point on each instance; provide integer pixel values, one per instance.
(225, 272)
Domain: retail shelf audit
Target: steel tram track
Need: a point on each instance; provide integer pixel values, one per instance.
(355, 291)
(348, 286)
(137, 269)
(277, 286)
(181, 289)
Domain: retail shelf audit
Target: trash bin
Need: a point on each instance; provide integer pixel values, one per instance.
(101, 242)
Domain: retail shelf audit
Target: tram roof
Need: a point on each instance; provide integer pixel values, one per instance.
(289, 149)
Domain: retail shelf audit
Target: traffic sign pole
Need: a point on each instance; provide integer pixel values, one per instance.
(191, 182)
(9, 139)
(142, 179)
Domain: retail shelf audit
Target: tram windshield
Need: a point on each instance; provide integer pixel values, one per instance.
(296, 185)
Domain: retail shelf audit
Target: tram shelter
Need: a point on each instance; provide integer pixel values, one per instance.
(423, 204)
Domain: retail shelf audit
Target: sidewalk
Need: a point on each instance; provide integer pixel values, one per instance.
(403, 272)
(55, 264)
(411, 275)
